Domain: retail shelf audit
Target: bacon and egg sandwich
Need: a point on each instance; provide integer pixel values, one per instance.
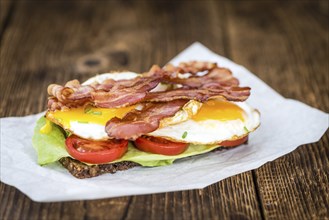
(115, 121)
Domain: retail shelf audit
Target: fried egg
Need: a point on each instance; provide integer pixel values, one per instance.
(198, 123)
(87, 122)
(215, 122)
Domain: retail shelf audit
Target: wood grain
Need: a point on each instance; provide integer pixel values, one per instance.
(294, 186)
(54, 41)
(6, 11)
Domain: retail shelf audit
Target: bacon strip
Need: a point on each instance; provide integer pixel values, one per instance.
(115, 94)
(126, 93)
(70, 95)
(54, 104)
(139, 122)
(110, 94)
(201, 95)
(215, 78)
(72, 91)
(192, 67)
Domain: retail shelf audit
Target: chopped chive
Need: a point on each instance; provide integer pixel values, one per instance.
(184, 135)
(68, 133)
(88, 109)
(83, 122)
(246, 129)
(96, 113)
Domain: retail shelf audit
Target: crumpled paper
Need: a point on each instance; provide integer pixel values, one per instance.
(285, 125)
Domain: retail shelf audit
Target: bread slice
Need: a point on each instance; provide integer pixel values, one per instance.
(81, 170)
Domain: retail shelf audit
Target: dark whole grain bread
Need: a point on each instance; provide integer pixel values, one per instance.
(81, 170)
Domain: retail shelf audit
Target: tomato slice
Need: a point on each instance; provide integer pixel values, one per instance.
(95, 152)
(162, 146)
(234, 142)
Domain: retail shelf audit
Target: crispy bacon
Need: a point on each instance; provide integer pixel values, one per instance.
(69, 96)
(192, 67)
(106, 85)
(128, 92)
(72, 91)
(54, 104)
(214, 81)
(110, 94)
(215, 78)
(206, 81)
(201, 95)
(139, 122)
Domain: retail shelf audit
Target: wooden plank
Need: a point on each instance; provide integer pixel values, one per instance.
(66, 40)
(284, 45)
(5, 7)
(224, 200)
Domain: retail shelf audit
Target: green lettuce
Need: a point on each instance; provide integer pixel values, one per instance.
(51, 147)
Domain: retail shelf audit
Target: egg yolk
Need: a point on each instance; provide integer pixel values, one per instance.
(219, 110)
(46, 128)
(89, 115)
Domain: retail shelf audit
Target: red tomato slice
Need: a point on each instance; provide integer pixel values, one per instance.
(95, 152)
(160, 146)
(235, 142)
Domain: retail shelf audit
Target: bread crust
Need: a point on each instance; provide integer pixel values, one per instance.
(82, 171)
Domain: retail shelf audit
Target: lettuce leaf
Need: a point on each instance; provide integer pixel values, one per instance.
(153, 160)
(51, 147)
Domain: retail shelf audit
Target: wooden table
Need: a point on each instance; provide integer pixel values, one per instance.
(285, 44)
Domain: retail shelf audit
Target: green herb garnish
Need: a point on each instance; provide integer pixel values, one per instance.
(88, 109)
(84, 122)
(67, 133)
(184, 135)
(246, 129)
(96, 113)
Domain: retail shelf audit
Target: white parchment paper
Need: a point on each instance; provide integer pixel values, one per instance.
(285, 125)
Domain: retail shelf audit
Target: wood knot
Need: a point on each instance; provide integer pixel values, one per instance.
(102, 61)
(92, 63)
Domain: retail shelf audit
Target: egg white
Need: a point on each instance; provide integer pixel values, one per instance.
(90, 131)
(211, 131)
